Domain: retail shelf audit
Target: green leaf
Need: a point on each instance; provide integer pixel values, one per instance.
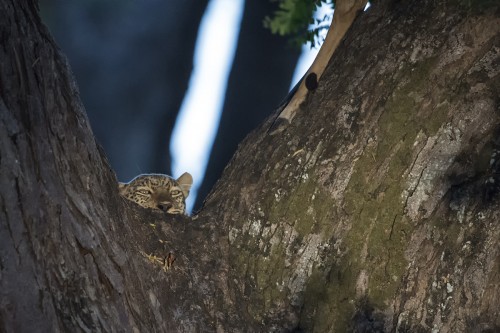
(293, 19)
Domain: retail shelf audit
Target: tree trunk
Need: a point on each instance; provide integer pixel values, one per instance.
(375, 210)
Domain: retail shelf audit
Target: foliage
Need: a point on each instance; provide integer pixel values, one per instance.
(295, 18)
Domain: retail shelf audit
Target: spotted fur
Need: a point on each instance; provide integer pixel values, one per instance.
(159, 191)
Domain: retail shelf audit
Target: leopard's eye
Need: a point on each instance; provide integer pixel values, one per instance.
(175, 192)
(145, 192)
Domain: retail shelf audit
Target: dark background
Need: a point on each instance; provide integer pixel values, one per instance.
(133, 60)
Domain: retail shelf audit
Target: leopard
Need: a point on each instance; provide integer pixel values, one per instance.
(158, 192)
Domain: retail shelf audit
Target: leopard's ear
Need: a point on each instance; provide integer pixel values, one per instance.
(185, 181)
(121, 187)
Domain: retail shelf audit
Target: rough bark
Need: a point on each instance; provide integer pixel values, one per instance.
(378, 209)
(375, 210)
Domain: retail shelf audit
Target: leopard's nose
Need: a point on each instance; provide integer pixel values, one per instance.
(164, 206)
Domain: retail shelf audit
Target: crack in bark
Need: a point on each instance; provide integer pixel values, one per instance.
(392, 226)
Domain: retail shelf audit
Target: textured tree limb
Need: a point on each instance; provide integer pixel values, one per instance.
(345, 13)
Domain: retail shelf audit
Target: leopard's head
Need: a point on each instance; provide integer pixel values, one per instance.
(159, 191)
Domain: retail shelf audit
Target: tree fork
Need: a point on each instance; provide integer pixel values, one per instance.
(377, 209)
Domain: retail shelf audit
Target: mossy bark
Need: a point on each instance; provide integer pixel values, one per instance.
(375, 210)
